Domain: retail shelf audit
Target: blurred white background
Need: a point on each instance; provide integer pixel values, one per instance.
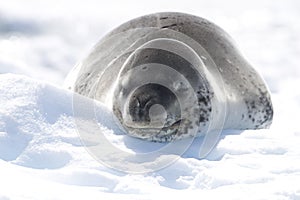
(45, 39)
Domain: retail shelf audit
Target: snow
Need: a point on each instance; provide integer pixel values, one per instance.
(42, 155)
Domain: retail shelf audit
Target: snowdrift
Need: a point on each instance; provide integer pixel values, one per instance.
(40, 150)
(42, 155)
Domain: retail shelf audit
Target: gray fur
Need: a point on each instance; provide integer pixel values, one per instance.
(228, 79)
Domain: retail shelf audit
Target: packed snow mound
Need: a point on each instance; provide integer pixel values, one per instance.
(41, 149)
(41, 153)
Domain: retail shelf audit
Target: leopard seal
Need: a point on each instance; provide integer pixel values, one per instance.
(168, 76)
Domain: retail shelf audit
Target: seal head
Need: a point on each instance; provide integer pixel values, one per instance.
(168, 76)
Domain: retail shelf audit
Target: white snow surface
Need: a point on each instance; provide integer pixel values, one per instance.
(41, 154)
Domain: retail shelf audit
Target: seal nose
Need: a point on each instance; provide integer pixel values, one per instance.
(149, 114)
(158, 115)
(152, 106)
(139, 109)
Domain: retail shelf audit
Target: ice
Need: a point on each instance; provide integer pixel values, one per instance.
(42, 155)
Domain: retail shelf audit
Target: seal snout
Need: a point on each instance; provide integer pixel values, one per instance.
(152, 106)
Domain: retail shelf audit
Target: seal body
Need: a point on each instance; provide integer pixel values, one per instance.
(168, 76)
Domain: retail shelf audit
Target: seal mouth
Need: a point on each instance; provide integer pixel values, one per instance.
(173, 126)
(150, 132)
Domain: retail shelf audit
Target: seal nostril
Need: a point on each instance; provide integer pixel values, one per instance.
(149, 103)
(152, 106)
(138, 103)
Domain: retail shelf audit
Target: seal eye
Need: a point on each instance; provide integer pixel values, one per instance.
(143, 108)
